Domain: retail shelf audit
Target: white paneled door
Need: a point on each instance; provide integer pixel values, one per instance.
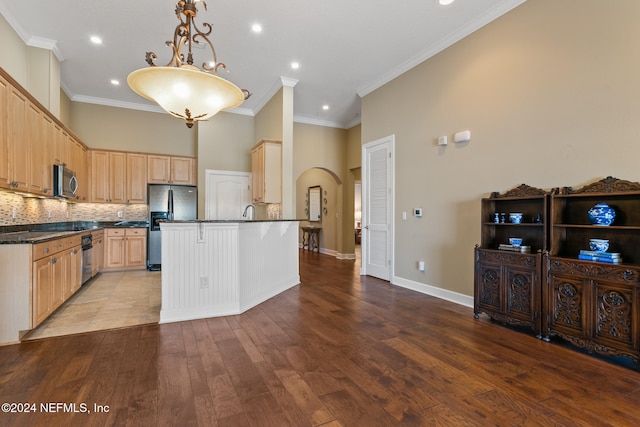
(227, 194)
(377, 212)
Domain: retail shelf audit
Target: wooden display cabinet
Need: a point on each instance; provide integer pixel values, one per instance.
(591, 304)
(507, 282)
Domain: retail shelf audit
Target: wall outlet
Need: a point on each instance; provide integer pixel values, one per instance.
(119, 214)
(421, 265)
(13, 214)
(204, 282)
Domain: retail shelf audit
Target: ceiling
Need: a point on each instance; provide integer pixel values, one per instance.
(346, 49)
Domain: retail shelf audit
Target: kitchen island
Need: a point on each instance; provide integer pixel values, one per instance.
(221, 268)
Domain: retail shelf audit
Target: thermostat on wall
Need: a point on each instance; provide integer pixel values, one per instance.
(417, 212)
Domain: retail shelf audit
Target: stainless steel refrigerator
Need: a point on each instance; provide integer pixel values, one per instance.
(167, 202)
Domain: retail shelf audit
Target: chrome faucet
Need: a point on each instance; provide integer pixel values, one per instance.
(246, 211)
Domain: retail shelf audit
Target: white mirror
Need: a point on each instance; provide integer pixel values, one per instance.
(315, 203)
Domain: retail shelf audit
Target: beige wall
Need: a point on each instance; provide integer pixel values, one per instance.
(550, 93)
(224, 143)
(65, 109)
(353, 172)
(268, 121)
(113, 128)
(13, 53)
(44, 78)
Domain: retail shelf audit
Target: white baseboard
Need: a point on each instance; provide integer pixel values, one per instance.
(434, 291)
(345, 256)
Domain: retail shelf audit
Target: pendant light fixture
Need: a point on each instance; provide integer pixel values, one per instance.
(181, 88)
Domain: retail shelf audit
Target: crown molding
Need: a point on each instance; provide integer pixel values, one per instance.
(454, 37)
(27, 38)
(288, 82)
(49, 44)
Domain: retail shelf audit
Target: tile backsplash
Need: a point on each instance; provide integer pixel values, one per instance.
(18, 210)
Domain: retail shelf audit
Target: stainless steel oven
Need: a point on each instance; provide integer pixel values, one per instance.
(87, 245)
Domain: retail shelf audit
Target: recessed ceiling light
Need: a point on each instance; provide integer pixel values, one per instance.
(295, 65)
(96, 40)
(325, 107)
(115, 82)
(256, 28)
(446, 2)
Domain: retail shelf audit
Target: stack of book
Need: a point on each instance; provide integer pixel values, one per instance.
(610, 257)
(521, 249)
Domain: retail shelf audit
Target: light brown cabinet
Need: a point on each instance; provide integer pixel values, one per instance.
(97, 255)
(57, 275)
(171, 170)
(5, 180)
(136, 178)
(126, 248)
(266, 172)
(78, 163)
(118, 177)
(31, 141)
(18, 150)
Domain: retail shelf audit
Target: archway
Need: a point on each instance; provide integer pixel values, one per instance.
(332, 206)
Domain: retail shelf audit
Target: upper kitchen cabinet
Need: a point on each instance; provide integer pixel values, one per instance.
(108, 177)
(38, 149)
(32, 140)
(136, 178)
(171, 170)
(19, 166)
(5, 181)
(79, 164)
(118, 177)
(266, 172)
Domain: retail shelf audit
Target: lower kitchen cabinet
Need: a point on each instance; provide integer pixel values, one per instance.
(57, 275)
(126, 249)
(97, 255)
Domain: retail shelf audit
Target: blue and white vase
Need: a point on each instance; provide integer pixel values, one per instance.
(601, 214)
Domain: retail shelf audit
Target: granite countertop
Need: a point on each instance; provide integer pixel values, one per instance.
(37, 233)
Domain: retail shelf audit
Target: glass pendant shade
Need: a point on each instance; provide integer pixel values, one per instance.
(186, 91)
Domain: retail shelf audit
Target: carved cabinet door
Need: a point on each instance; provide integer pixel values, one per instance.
(488, 295)
(522, 299)
(567, 308)
(616, 318)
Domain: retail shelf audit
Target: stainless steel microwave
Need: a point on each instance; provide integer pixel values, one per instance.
(65, 183)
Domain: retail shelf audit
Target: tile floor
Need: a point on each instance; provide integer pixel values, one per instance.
(110, 300)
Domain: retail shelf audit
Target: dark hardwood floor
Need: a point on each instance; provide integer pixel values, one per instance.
(338, 350)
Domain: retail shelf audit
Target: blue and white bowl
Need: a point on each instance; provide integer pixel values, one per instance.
(515, 241)
(600, 245)
(601, 214)
(515, 217)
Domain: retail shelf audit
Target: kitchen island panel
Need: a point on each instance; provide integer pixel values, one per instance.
(214, 269)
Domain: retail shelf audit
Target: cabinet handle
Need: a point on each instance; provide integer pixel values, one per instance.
(46, 250)
(54, 260)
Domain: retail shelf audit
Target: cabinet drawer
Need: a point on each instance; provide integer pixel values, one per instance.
(70, 242)
(41, 250)
(115, 232)
(136, 232)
